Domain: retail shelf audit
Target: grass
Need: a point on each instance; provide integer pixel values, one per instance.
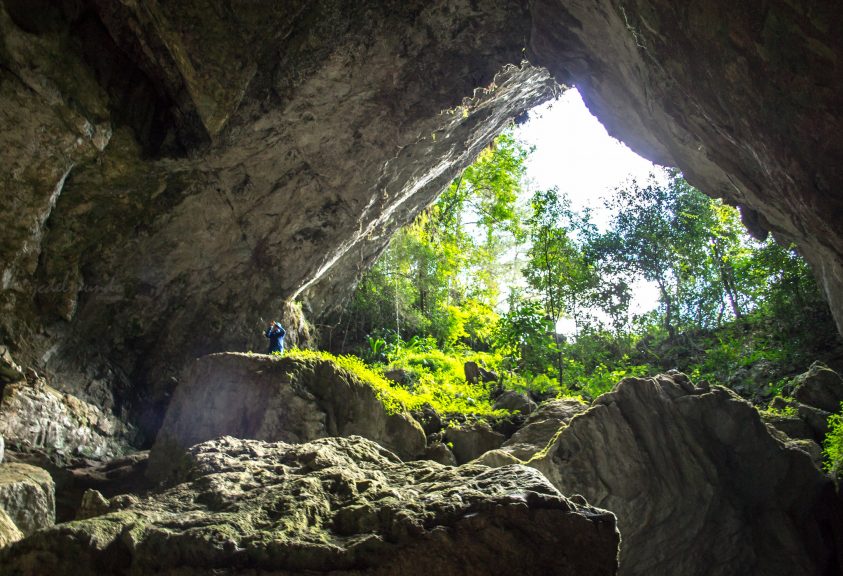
(443, 391)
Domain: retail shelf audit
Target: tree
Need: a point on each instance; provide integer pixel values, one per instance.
(557, 268)
(442, 272)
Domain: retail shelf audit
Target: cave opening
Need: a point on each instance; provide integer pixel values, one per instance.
(204, 161)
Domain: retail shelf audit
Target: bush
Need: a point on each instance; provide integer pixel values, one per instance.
(833, 444)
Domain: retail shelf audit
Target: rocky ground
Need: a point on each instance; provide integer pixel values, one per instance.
(695, 479)
(331, 506)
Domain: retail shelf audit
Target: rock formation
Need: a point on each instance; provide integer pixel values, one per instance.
(698, 483)
(27, 501)
(541, 426)
(819, 387)
(61, 424)
(271, 398)
(332, 506)
(165, 188)
(471, 440)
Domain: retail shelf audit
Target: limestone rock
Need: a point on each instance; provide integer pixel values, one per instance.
(400, 376)
(497, 458)
(698, 483)
(471, 440)
(514, 402)
(93, 504)
(440, 453)
(815, 418)
(475, 373)
(9, 370)
(332, 506)
(271, 398)
(792, 426)
(60, 423)
(9, 533)
(27, 496)
(541, 426)
(430, 420)
(819, 387)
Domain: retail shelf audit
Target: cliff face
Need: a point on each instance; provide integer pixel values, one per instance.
(176, 171)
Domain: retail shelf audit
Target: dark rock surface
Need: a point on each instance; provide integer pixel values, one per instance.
(471, 440)
(541, 426)
(276, 399)
(819, 387)
(332, 506)
(699, 484)
(515, 402)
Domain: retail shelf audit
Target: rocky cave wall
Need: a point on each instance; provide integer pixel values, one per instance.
(176, 171)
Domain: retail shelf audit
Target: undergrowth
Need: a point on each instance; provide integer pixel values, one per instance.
(833, 445)
(436, 384)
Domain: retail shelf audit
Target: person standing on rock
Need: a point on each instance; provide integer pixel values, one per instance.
(276, 334)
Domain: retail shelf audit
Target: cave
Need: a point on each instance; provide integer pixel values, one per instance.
(177, 172)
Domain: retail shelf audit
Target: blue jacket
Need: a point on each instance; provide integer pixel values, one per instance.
(276, 334)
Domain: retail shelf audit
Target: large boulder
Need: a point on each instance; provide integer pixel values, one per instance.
(469, 441)
(27, 495)
(541, 426)
(698, 483)
(9, 533)
(515, 402)
(819, 387)
(61, 424)
(332, 506)
(277, 398)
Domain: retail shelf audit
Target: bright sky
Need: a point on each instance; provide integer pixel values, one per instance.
(575, 153)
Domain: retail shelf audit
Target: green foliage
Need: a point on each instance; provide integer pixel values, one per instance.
(440, 276)
(437, 382)
(833, 445)
(730, 309)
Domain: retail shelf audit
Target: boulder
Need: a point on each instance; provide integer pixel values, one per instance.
(276, 398)
(74, 476)
(27, 494)
(698, 483)
(9, 370)
(400, 376)
(816, 419)
(814, 422)
(440, 453)
(819, 387)
(792, 426)
(475, 373)
(9, 533)
(61, 424)
(515, 402)
(93, 504)
(471, 440)
(430, 420)
(541, 426)
(331, 506)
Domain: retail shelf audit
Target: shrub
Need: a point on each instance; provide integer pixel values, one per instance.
(833, 444)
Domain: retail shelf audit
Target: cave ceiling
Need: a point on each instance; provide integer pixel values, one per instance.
(175, 172)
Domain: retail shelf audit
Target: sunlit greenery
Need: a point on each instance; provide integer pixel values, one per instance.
(833, 444)
(436, 382)
(488, 272)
